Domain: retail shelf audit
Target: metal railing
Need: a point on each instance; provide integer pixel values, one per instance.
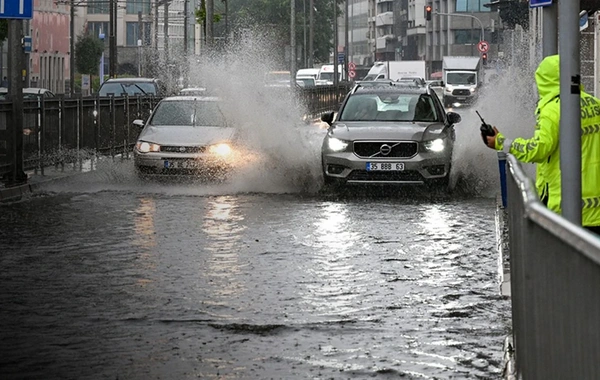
(67, 130)
(555, 282)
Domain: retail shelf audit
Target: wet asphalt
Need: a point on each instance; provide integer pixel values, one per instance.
(173, 281)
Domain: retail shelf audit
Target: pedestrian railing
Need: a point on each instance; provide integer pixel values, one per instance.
(555, 287)
(67, 129)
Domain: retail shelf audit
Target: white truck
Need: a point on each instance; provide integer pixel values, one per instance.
(396, 70)
(462, 80)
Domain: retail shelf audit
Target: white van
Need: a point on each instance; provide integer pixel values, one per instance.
(302, 73)
(326, 73)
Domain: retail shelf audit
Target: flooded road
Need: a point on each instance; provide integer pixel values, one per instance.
(159, 281)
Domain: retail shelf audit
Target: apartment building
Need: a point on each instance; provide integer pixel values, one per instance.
(399, 30)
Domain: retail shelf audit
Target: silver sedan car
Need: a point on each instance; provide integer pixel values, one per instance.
(389, 134)
(186, 135)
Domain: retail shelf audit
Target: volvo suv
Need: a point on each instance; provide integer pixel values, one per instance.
(389, 134)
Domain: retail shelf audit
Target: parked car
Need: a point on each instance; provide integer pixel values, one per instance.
(29, 93)
(132, 87)
(392, 134)
(187, 135)
(306, 82)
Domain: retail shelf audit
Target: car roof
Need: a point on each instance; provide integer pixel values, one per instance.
(191, 97)
(130, 80)
(391, 87)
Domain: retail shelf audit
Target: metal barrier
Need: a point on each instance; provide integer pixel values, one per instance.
(67, 130)
(555, 282)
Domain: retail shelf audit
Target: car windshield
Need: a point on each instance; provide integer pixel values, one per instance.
(188, 113)
(129, 88)
(306, 82)
(461, 78)
(389, 107)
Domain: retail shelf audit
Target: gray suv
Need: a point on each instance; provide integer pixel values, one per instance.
(389, 134)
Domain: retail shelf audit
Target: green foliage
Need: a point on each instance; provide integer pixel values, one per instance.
(515, 13)
(88, 51)
(274, 15)
(200, 14)
(3, 29)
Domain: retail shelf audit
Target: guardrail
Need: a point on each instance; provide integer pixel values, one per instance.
(555, 278)
(67, 130)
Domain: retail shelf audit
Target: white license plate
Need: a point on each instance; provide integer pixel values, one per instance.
(182, 164)
(461, 98)
(385, 166)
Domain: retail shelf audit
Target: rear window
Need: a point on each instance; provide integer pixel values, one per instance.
(390, 107)
(129, 88)
(184, 113)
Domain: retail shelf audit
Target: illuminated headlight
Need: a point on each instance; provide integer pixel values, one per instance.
(448, 88)
(146, 147)
(336, 145)
(472, 89)
(220, 149)
(436, 145)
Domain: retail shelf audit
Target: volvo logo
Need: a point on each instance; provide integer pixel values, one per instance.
(182, 149)
(385, 149)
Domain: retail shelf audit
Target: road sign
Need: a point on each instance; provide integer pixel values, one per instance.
(539, 3)
(341, 57)
(26, 41)
(352, 66)
(483, 46)
(18, 9)
(351, 73)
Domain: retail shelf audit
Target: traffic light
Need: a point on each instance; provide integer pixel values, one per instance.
(428, 12)
(484, 58)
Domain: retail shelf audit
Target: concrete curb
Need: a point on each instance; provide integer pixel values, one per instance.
(15, 193)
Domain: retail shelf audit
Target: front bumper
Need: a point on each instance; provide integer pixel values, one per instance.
(420, 169)
(199, 164)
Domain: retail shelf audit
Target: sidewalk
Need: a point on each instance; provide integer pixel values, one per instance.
(35, 179)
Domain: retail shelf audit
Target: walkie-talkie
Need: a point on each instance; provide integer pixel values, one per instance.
(486, 129)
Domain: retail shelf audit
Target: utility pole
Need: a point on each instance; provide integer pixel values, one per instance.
(112, 39)
(292, 42)
(304, 63)
(335, 45)
(347, 38)
(140, 42)
(72, 50)
(311, 33)
(166, 35)
(210, 11)
(156, 7)
(185, 43)
(15, 88)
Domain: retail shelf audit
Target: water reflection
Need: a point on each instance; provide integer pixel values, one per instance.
(145, 232)
(223, 224)
(330, 292)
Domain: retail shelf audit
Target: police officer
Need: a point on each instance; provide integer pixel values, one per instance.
(543, 148)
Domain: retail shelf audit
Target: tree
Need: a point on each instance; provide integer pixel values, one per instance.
(88, 51)
(3, 29)
(200, 14)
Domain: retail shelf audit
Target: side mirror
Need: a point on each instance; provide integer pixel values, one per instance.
(442, 83)
(453, 117)
(138, 123)
(327, 117)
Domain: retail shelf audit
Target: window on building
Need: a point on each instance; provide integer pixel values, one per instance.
(98, 7)
(94, 28)
(136, 6)
(471, 6)
(466, 36)
(133, 33)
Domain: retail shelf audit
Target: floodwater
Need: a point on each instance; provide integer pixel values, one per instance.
(116, 284)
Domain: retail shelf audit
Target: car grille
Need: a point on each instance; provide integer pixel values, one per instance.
(368, 149)
(183, 149)
(404, 176)
(462, 92)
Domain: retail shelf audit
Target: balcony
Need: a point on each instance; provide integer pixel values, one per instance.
(383, 41)
(386, 18)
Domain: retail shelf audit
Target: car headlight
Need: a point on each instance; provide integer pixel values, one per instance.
(472, 89)
(146, 147)
(220, 149)
(336, 145)
(448, 88)
(436, 145)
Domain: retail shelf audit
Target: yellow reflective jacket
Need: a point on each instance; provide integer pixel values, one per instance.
(543, 148)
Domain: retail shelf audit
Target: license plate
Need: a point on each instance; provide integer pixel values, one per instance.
(385, 166)
(461, 98)
(182, 164)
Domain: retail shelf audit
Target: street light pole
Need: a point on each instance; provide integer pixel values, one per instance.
(72, 49)
(292, 42)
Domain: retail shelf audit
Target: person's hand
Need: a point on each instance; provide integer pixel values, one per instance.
(491, 140)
